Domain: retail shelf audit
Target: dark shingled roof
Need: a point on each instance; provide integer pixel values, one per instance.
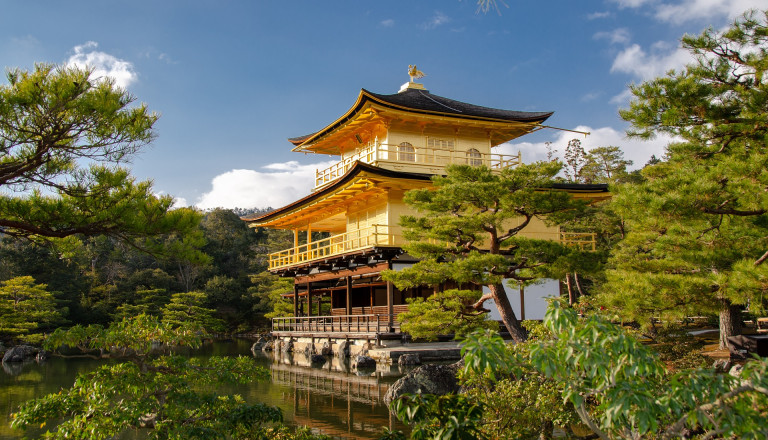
(421, 101)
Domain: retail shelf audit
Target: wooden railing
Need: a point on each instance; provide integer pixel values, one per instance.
(375, 235)
(585, 241)
(336, 324)
(376, 153)
(382, 235)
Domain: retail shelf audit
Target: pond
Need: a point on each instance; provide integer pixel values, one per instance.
(334, 399)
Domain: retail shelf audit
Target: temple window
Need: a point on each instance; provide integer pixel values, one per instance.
(474, 157)
(445, 144)
(406, 152)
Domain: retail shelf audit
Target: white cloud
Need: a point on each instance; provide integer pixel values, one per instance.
(103, 64)
(632, 3)
(387, 23)
(597, 15)
(636, 150)
(616, 36)
(643, 65)
(622, 98)
(280, 184)
(438, 19)
(690, 10)
(179, 202)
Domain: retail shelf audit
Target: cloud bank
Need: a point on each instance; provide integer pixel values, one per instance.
(636, 150)
(276, 185)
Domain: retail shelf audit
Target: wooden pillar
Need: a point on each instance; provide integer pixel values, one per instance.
(522, 302)
(309, 298)
(370, 289)
(349, 293)
(295, 299)
(390, 305)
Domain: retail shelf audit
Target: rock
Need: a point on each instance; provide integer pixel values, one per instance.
(326, 350)
(426, 379)
(722, 365)
(20, 353)
(364, 362)
(317, 360)
(287, 346)
(342, 349)
(259, 344)
(409, 359)
(735, 371)
(269, 346)
(309, 350)
(42, 356)
(365, 348)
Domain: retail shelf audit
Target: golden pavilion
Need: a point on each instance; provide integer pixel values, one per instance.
(346, 230)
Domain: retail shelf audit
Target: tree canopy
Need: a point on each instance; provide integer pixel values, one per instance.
(63, 136)
(701, 241)
(480, 214)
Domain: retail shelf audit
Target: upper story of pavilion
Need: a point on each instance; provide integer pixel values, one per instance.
(415, 131)
(389, 144)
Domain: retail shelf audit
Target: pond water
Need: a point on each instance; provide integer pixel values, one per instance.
(334, 400)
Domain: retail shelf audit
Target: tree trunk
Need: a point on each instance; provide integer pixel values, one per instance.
(571, 296)
(730, 322)
(511, 322)
(578, 283)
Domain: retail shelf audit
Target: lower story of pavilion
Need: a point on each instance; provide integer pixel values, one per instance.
(347, 296)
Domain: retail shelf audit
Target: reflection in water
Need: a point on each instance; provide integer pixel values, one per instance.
(332, 398)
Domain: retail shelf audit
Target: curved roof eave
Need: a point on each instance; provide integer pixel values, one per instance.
(470, 111)
(356, 169)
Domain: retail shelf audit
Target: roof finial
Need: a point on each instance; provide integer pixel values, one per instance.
(415, 73)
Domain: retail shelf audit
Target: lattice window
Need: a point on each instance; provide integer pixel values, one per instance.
(406, 152)
(474, 157)
(445, 144)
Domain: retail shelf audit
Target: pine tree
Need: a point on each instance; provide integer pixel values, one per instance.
(468, 233)
(698, 226)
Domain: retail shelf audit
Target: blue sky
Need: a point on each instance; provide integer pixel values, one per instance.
(233, 79)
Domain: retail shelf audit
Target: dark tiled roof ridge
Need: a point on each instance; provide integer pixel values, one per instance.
(418, 99)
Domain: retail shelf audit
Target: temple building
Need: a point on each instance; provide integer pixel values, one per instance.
(346, 230)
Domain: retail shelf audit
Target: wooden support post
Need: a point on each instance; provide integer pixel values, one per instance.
(295, 299)
(370, 289)
(309, 298)
(349, 293)
(390, 305)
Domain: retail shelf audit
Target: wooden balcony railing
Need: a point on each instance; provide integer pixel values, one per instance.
(382, 235)
(375, 235)
(336, 324)
(378, 153)
(585, 241)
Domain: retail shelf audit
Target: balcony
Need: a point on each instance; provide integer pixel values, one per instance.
(375, 235)
(381, 235)
(429, 160)
(585, 241)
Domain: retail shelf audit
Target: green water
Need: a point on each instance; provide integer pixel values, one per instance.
(333, 400)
